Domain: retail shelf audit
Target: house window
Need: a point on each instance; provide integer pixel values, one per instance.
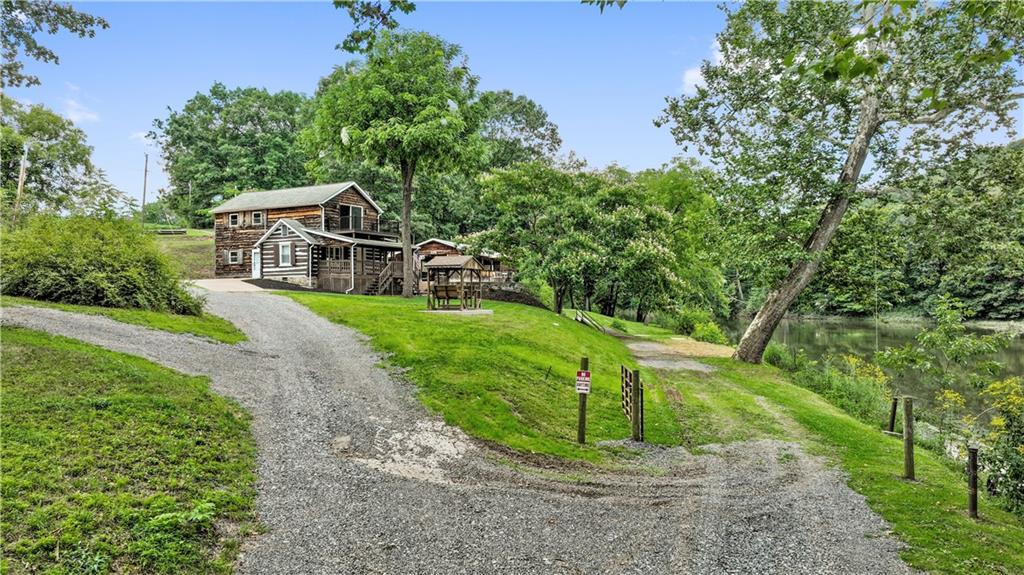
(285, 231)
(351, 217)
(286, 255)
(233, 220)
(235, 256)
(257, 218)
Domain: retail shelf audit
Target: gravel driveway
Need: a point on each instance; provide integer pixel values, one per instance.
(355, 477)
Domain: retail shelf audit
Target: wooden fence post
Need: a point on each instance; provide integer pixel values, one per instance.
(634, 406)
(581, 425)
(892, 414)
(908, 438)
(972, 482)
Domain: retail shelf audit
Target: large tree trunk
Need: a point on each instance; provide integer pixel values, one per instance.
(559, 298)
(759, 332)
(408, 279)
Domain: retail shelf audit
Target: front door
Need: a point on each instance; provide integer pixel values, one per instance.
(256, 263)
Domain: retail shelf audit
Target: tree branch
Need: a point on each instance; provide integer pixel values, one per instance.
(936, 117)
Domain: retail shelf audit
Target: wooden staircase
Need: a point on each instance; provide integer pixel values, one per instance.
(585, 319)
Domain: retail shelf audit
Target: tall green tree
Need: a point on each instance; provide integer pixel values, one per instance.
(412, 105)
(805, 92)
(59, 159)
(370, 17)
(516, 129)
(20, 23)
(230, 140)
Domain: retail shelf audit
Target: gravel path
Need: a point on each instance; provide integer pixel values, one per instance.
(354, 476)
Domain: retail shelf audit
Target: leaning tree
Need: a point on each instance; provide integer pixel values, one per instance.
(804, 94)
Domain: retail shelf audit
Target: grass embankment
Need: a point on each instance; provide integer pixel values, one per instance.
(741, 401)
(192, 252)
(114, 464)
(507, 377)
(490, 376)
(206, 325)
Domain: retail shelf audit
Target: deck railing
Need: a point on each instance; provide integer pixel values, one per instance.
(333, 266)
(363, 224)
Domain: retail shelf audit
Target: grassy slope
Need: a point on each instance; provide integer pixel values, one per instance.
(193, 252)
(507, 377)
(112, 463)
(486, 374)
(633, 328)
(930, 514)
(206, 325)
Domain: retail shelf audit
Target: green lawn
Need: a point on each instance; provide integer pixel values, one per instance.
(206, 325)
(192, 252)
(633, 328)
(114, 464)
(507, 377)
(930, 514)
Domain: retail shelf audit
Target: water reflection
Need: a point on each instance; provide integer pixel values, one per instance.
(858, 336)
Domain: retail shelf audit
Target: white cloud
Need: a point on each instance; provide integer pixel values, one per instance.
(693, 78)
(78, 113)
(138, 136)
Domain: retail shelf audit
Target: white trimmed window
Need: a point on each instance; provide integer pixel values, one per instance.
(233, 219)
(285, 231)
(257, 218)
(235, 257)
(286, 255)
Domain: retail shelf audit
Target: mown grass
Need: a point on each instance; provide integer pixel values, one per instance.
(193, 252)
(633, 328)
(114, 464)
(930, 514)
(206, 325)
(507, 377)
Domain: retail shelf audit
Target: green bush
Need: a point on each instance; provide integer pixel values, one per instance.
(1003, 458)
(686, 319)
(618, 324)
(89, 261)
(540, 290)
(857, 387)
(781, 357)
(709, 331)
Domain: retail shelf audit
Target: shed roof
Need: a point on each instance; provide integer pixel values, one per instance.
(289, 198)
(454, 262)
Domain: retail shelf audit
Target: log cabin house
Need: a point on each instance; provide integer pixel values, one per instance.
(330, 236)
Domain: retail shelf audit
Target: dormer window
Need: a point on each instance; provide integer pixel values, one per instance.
(233, 220)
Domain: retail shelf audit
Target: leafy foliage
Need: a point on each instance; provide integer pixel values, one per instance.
(369, 17)
(59, 159)
(1004, 455)
(22, 20)
(91, 261)
(226, 141)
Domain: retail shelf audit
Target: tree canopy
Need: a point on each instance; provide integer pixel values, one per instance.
(22, 20)
(230, 140)
(805, 92)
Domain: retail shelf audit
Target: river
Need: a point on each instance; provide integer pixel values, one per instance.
(858, 336)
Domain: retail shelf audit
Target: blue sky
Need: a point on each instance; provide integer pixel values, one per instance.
(603, 78)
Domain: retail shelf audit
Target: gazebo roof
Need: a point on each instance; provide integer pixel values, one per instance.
(454, 262)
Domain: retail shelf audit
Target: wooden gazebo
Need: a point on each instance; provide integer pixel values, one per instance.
(454, 278)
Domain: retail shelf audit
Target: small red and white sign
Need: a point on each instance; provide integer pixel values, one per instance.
(582, 382)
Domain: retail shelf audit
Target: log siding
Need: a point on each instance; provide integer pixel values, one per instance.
(298, 270)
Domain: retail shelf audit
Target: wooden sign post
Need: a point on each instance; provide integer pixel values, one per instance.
(582, 390)
(972, 482)
(633, 401)
(908, 438)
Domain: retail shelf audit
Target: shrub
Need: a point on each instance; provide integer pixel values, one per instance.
(89, 261)
(539, 290)
(618, 324)
(1004, 456)
(710, 332)
(781, 357)
(686, 319)
(858, 387)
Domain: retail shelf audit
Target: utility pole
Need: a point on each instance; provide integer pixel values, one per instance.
(22, 175)
(145, 177)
